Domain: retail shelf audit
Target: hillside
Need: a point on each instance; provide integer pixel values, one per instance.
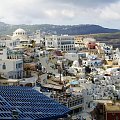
(57, 29)
(109, 38)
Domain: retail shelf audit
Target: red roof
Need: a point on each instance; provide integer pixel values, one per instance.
(92, 45)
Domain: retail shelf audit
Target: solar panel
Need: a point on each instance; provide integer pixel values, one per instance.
(29, 103)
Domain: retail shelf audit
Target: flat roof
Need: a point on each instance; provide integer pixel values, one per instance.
(9, 80)
(12, 60)
(103, 101)
(53, 86)
(109, 105)
(112, 107)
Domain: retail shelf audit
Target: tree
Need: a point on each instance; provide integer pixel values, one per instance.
(70, 63)
(87, 70)
(33, 43)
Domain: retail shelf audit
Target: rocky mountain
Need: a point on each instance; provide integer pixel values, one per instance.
(57, 29)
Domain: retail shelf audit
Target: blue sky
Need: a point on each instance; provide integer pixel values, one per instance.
(63, 12)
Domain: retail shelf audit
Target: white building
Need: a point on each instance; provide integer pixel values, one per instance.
(71, 56)
(3, 52)
(9, 42)
(11, 68)
(22, 36)
(93, 61)
(37, 37)
(6, 53)
(108, 52)
(63, 42)
(74, 56)
(116, 56)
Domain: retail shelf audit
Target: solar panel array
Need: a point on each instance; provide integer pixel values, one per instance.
(29, 103)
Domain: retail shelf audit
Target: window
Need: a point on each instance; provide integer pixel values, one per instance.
(11, 77)
(19, 65)
(4, 66)
(16, 65)
(10, 44)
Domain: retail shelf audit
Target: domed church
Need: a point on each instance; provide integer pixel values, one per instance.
(22, 35)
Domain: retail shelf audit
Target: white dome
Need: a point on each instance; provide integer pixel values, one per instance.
(75, 63)
(20, 31)
(20, 34)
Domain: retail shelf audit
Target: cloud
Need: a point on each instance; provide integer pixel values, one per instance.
(53, 13)
(84, 3)
(60, 11)
(111, 12)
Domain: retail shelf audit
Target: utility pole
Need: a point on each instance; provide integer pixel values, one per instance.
(59, 71)
(60, 74)
(59, 68)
